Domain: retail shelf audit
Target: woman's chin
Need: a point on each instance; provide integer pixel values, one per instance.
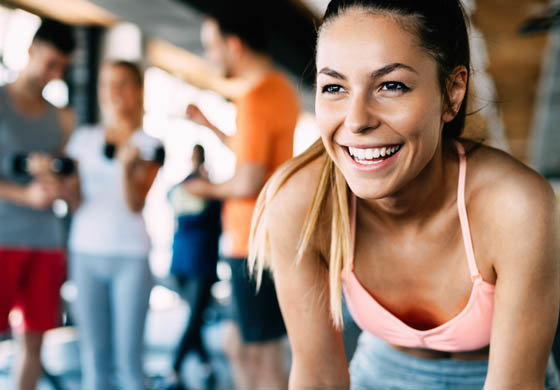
(366, 192)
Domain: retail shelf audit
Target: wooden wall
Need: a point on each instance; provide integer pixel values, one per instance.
(515, 64)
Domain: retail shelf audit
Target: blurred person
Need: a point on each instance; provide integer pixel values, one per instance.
(266, 118)
(32, 255)
(108, 243)
(195, 255)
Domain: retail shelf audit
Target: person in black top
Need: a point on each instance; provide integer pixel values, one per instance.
(195, 254)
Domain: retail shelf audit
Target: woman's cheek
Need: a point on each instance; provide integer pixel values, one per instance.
(327, 117)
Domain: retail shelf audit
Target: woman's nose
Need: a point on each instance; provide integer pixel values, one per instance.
(360, 114)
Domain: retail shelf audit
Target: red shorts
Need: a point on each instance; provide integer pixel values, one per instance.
(30, 281)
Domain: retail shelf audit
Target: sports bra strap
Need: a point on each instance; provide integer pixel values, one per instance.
(467, 240)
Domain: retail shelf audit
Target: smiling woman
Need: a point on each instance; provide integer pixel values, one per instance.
(377, 210)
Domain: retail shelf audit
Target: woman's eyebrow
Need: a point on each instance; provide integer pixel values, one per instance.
(332, 73)
(390, 68)
(375, 74)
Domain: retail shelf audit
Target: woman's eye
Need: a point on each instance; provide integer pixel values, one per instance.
(394, 86)
(332, 88)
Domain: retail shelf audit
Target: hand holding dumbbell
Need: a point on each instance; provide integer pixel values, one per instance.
(128, 154)
(137, 150)
(36, 163)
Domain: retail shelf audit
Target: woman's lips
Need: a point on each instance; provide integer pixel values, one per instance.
(375, 158)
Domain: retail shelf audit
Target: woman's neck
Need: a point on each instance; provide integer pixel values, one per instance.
(426, 195)
(120, 129)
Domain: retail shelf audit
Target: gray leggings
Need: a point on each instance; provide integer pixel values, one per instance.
(110, 311)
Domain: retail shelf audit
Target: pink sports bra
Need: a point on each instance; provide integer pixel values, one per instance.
(467, 331)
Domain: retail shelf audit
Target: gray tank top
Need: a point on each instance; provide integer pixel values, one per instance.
(23, 227)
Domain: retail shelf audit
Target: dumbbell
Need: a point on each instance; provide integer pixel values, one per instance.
(147, 152)
(60, 165)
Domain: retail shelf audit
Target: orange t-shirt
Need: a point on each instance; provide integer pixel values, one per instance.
(266, 120)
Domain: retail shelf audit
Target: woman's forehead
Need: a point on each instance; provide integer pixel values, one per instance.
(116, 71)
(363, 36)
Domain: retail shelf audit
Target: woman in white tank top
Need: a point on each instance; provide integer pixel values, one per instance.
(108, 243)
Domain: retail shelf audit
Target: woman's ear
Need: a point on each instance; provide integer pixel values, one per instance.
(456, 90)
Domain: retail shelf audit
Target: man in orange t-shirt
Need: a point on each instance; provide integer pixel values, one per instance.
(266, 118)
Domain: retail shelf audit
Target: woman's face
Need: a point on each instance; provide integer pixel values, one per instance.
(119, 92)
(378, 102)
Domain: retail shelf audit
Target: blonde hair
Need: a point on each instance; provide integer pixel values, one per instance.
(331, 182)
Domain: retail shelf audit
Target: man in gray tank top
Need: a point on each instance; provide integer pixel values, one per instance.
(32, 258)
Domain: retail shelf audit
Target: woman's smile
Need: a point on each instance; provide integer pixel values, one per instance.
(373, 158)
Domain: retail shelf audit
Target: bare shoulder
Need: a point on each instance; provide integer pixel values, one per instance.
(510, 205)
(501, 183)
(288, 201)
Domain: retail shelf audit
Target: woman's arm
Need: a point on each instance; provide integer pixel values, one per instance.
(525, 253)
(138, 177)
(318, 359)
(70, 190)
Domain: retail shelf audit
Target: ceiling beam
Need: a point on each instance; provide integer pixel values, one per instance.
(193, 69)
(68, 11)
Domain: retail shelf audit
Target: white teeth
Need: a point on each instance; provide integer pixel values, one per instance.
(365, 156)
(370, 162)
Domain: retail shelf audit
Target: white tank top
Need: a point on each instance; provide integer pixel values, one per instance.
(103, 224)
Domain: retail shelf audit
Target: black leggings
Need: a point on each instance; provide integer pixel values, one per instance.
(197, 292)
